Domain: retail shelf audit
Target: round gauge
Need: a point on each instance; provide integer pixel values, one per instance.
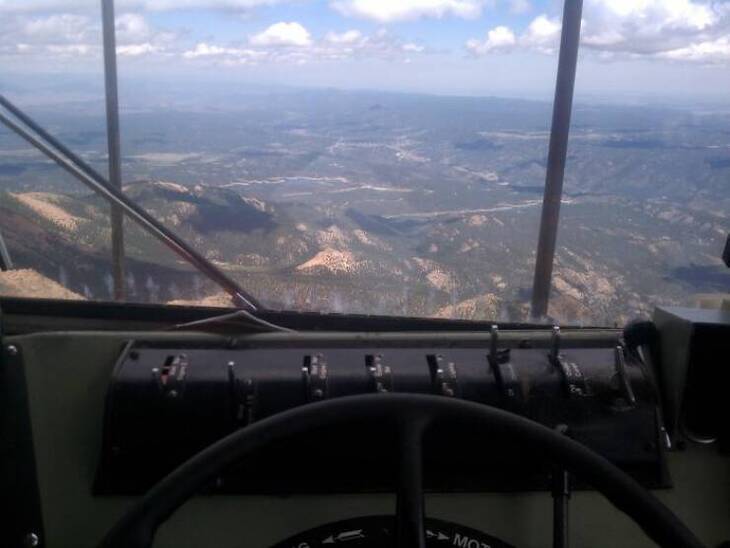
(377, 532)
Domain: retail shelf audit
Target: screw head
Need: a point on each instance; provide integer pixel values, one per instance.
(31, 540)
(12, 350)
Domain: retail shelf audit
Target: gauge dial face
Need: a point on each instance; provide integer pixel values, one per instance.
(377, 532)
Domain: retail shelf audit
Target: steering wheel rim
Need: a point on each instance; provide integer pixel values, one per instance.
(412, 413)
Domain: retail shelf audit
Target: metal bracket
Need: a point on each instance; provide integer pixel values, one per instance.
(314, 375)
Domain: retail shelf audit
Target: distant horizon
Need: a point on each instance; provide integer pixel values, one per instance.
(25, 85)
(502, 48)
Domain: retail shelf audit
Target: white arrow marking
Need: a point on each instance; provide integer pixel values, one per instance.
(329, 540)
(439, 535)
(350, 535)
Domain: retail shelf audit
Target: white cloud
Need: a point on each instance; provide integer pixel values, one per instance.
(41, 38)
(45, 37)
(136, 37)
(228, 55)
(203, 49)
(351, 44)
(283, 34)
(348, 37)
(135, 50)
(70, 49)
(176, 5)
(62, 27)
(690, 30)
(49, 36)
(131, 27)
(24, 6)
(39, 6)
(542, 34)
(653, 14)
(713, 51)
(498, 39)
(647, 26)
(410, 47)
(387, 11)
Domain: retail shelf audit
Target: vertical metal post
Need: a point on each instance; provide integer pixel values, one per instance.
(112, 129)
(557, 152)
(5, 262)
(560, 491)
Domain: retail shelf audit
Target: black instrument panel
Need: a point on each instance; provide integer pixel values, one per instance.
(167, 402)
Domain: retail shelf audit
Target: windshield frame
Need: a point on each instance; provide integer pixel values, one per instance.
(21, 315)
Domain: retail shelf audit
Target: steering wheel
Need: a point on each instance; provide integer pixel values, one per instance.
(412, 414)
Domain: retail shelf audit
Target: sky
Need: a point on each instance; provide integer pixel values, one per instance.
(629, 48)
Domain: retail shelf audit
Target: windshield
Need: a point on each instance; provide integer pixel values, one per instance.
(373, 157)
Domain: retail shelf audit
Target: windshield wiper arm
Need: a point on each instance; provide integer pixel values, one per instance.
(59, 153)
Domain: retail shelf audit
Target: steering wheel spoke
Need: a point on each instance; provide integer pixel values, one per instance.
(561, 505)
(410, 530)
(560, 491)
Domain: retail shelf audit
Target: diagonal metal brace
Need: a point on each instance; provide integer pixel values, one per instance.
(84, 173)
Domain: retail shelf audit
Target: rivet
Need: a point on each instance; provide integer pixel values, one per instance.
(31, 539)
(12, 350)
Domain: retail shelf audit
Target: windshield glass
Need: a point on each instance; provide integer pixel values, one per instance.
(374, 157)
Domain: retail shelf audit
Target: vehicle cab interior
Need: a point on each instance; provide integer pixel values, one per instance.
(424, 435)
(130, 423)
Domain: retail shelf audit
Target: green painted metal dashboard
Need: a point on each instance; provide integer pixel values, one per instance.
(67, 374)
